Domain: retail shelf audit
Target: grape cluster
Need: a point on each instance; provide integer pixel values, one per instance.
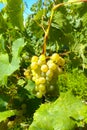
(44, 72)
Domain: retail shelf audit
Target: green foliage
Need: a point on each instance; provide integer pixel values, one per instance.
(63, 114)
(19, 41)
(15, 13)
(3, 24)
(3, 104)
(6, 67)
(4, 115)
(75, 81)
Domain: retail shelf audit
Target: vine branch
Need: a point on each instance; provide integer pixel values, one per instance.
(50, 20)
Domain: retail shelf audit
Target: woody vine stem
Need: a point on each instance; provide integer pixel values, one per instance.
(50, 20)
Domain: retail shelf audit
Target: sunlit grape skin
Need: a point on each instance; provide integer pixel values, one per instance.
(42, 87)
(39, 95)
(61, 62)
(52, 66)
(34, 65)
(42, 80)
(34, 59)
(42, 57)
(55, 57)
(44, 68)
(49, 73)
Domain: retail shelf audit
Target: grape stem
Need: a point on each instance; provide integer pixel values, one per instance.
(50, 20)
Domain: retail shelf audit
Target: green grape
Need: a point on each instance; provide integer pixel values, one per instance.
(51, 88)
(49, 73)
(42, 57)
(33, 72)
(42, 87)
(34, 59)
(10, 124)
(42, 80)
(37, 88)
(44, 68)
(48, 78)
(27, 73)
(55, 57)
(52, 66)
(49, 62)
(43, 74)
(34, 78)
(42, 60)
(37, 81)
(59, 70)
(39, 94)
(61, 62)
(34, 65)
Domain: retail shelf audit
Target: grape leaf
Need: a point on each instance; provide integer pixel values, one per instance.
(3, 104)
(63, 114)
(7, 68)
(6, 114)
(3, 25)
(15, 8)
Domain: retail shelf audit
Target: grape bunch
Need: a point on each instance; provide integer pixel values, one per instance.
(44, 72)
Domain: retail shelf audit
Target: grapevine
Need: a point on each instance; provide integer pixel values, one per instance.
(44, 71)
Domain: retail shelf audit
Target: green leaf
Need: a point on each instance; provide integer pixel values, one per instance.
(3, 24)
(30, 87)
(3, 104)
(63, 114)
(39, 15)
(7, 68)
(2, 45)
(15, 12)
(6, 114)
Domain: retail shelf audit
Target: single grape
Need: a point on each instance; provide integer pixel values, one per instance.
(61, 62)
(37, 88)
(34, 59)
(42, 57)
(44, 68)
(34, 78)
(42, 87)
(49, 73)
(33, 72)
(49, 62)
(51, 88)
(43, 74)
(55, 57)
(27, 73)
(10, 124)
(42, 80)
(37, 81)
(39, 94)
(48, 78)
(34, 65)
(42, 60)
(52, 66)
